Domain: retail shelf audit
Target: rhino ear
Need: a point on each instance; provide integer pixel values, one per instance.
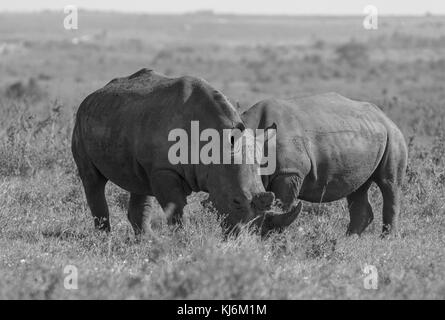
(270, 132)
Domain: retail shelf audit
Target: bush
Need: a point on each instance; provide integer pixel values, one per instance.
(30, 90)
(353, 53)
(28, 144)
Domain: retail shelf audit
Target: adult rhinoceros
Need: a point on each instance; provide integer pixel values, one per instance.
(330, 147)
(121, 134)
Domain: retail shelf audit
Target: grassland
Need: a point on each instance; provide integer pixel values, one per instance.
(45, 224)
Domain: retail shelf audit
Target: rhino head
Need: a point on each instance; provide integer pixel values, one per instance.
(235, 187)
(237, 191)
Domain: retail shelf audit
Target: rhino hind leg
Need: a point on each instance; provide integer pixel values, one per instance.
(94, 185)
(391, 206)
(389, 178)
(360, 210)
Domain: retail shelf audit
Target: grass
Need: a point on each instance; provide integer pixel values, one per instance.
(45, 224)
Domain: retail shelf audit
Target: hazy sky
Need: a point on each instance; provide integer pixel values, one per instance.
(237, 6)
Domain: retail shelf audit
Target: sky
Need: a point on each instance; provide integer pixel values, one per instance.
(302, 7)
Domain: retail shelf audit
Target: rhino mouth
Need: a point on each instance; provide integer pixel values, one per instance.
(264, 218)
(271, 219)
(267, 222)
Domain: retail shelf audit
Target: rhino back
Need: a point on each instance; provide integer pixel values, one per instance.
(334, 143)
(124, 126)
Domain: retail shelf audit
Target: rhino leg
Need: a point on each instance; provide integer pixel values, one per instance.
(94, 185)
(286, 188)
(360, 210)
(137, 207)
(389, 177)
(391, 206)
(168, 189)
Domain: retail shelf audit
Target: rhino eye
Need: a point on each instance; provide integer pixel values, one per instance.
(240, 126)
(234, 136)
(237, 132)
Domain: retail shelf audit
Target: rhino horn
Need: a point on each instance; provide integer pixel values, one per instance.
(278, 221)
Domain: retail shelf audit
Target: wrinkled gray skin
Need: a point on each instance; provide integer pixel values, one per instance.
(121, 135)
(330, 147)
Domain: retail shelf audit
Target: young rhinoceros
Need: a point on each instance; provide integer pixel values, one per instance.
(122, 134)
(330, 147)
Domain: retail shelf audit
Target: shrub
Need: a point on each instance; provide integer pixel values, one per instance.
(353, 53)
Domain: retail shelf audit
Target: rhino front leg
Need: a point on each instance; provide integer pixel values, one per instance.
(360, 210)
(168, 189)
(286, 188)
(139, 203)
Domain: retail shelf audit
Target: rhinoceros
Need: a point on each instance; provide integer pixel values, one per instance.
(329, 147)
(121, 134)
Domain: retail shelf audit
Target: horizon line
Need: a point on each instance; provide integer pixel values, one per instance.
(209, 12)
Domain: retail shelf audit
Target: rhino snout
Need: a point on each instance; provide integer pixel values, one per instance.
(263, 201)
